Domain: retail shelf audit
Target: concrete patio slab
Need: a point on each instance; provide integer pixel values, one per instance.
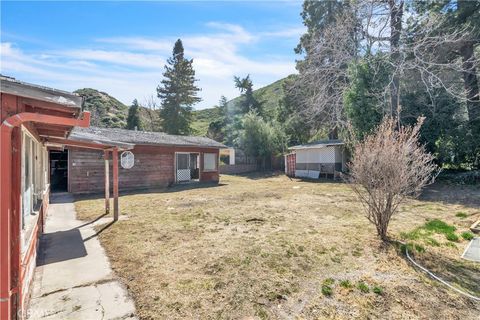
(472, 252)
(73, 279)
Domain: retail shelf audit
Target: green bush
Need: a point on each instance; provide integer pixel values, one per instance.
(363, 287)
(467, 235)
(346, 284)
(378, 290)
(327, 290)
(327, 287)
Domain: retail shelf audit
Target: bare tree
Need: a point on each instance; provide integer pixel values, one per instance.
(372, 27)
(323, 78)
(388, 166)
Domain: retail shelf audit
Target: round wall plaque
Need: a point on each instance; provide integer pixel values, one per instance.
(127, 159)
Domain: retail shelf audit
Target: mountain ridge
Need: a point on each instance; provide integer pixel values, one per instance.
(108, 112)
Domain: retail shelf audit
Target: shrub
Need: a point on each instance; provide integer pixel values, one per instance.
(363, 287)
(346, 284)
(378, 290)
(326, 287)
(467, 235)
(327, 290)
(388, 166)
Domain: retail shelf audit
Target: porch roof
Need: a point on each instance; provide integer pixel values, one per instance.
(24, 97)
(18, 88)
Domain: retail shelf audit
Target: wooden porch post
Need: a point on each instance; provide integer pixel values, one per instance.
(106, 154)
(115, 183)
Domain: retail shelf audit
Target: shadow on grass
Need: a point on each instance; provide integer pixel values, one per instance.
(93, 221)
(99, 231)
(458, 272)
(174, 188)
(257, 175)
(466, 195)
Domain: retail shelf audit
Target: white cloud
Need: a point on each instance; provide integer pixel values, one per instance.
(131, 67)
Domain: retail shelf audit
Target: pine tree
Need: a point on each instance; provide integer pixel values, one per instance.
(248, 102)
(133, 120)
(217, 129)
(177, 92)
(223, 106)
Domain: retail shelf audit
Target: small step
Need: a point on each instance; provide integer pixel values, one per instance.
(472, 252)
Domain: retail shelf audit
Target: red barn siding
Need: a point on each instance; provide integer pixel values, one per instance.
(154, 167)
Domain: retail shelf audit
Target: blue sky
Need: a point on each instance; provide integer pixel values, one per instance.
(121, 47)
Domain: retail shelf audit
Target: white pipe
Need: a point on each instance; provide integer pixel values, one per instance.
(438, 278)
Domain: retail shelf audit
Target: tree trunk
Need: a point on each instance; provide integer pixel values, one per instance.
(333, 134)
(396, 13)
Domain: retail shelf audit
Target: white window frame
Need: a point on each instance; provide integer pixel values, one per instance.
(38, 183)
(215, 162)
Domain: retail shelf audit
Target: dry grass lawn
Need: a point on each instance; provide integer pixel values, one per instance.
(267, 247)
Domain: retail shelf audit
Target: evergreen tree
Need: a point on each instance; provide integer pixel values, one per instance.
(133, 119)
(217, 129)
(296, 126)
(317, 15)
(364, 100)
(261, 139)
(248, 103)
(177, 92)
(223, 109)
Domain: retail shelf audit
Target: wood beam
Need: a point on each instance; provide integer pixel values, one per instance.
(106, 155)
(115, 183)
(28, 102)
(80, 144)
(52, 133)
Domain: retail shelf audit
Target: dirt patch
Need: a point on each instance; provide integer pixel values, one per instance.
(264, 246)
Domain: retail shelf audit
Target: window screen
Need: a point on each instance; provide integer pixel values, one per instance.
(182, 161)
(209, 162)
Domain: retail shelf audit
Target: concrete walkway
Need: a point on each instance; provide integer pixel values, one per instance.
(73, 279)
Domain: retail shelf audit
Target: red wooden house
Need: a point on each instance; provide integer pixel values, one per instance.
(28, 114)
(159, 160)
(45, 143)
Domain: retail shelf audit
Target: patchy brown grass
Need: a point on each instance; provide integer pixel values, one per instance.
(268, 247)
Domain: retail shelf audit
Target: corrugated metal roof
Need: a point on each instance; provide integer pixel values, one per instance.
(141, 137)
(318, 144)
(28, 90)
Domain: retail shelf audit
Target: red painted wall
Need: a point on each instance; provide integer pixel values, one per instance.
(154, 167)
(16, 268)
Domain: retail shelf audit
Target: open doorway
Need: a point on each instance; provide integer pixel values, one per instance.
(187, 167)
(59, 171)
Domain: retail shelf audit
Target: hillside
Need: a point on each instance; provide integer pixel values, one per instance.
(108, 112)
(270, 96)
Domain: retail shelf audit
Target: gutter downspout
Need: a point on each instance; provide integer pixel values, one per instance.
(6, 237)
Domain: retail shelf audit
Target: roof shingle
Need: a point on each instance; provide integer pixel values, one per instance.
(141, 137)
